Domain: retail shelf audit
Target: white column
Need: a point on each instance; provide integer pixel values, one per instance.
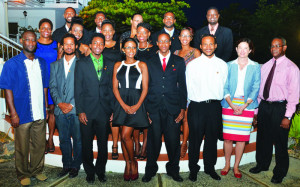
(3, 18)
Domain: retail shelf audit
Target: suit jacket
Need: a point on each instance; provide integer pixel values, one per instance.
(92, 96)
(224, 41)
(59, 33)
(62, 88)
(166, 87)
(251, 84)
(175, 43)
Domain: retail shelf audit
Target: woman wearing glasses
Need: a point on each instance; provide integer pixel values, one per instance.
(130, 87)
(188, 53)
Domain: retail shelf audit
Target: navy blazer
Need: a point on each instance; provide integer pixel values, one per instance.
(166, 87)
(92, 96)
(251, 84)
(175, 42)
(224, 41)
(62, 88)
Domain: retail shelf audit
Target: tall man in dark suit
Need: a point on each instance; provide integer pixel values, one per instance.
(169, 21)
(223, 35)
(93, 95)
(62, 92)
(166, 104)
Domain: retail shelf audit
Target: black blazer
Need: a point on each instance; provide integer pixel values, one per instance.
(175, 43)
(93, 96)
(59, 33)
(224, 41)
(166, 87)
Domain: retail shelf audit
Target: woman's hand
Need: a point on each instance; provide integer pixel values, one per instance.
(133, 109)
(126, 108)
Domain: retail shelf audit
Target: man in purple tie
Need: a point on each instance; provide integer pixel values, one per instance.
(278, 96)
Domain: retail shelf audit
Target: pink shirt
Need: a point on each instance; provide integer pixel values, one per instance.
(285, 84)
(215, 29)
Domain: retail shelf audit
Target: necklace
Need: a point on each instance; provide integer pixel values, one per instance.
(144, 48)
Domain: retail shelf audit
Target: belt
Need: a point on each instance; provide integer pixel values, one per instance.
(273, 102)
(209, 101)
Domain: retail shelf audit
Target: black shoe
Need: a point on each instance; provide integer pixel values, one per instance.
(213, 175)
(276, 180)
(102, 177)
(63, 172)
(73, 173)
(90, 179)
(147, 178)
(257, 169)
(193, 176)
(176, 177)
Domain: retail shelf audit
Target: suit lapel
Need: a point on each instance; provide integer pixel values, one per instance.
(72, 68)
(249, 73)
(92, 68)
(170, 62)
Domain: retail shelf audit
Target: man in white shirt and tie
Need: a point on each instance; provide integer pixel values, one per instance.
(205, 78)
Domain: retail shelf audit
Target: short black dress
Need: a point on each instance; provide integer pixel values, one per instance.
(130, 88)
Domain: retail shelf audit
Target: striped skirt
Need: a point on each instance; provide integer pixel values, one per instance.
(237, 127)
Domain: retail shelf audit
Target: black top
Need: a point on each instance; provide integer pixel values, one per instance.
(59, 33)
(144, 55)
(113, 54)
(175, 43)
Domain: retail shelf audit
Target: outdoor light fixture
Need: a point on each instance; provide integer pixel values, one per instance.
(25, 13)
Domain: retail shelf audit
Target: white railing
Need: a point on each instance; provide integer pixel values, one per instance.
(8, 48)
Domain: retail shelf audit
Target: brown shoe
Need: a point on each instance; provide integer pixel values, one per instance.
(41, 177)
(25, 181)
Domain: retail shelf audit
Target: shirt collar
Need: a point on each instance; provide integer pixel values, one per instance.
(94, 59)
(171, 33)
(167, 57)
(70, 61)
(67, 28)
(215, 27)
(206, 58)
(98, 30)
(279, 60)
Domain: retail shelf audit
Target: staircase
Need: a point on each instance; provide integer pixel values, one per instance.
(8, 48)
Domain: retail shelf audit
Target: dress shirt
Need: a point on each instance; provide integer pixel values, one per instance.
(215, 28)
(285, 83)
(205, 78)
(67, 28)
(67, 65)
(170, 32)
(161, 57)
(98, 30)
(36, 88)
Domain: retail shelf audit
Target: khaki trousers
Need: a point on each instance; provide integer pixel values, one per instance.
(30, 142)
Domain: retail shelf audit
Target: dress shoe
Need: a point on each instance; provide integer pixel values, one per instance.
(73, 173)
(237, 175)
(193, 176)
(127, 177)
(41, 177)
(136, 175)
(102, 177)
(213, 175)
(224, 172)
(25, 181)
(147, 178)
(276, 180)
(176, 177)
(257, 169)
(90, 179)
(63, 172)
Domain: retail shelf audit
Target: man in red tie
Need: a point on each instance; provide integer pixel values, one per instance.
(166, 104)
(278, 96)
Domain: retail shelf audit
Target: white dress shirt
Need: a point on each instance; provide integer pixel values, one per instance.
(161, 57)
(170, 32)
(36, 88)
(98, 30)
(67, 28)
(205, 78)
(67, 65)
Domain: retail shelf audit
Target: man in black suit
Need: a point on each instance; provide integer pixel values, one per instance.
(222, 34)
(169, 21)
(166, 104)
(60, 32)
(93, 95)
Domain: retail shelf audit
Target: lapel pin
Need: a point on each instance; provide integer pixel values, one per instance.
(173, 65)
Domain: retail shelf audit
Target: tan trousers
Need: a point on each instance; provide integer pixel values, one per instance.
(30, 142)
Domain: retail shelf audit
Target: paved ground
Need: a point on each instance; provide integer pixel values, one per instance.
(8, 178)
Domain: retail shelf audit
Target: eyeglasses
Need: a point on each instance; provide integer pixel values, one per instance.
(29, 40)
(129, 48)
(163, 41)
(276, 46)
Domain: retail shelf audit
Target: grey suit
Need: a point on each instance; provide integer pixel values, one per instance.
(62, 91)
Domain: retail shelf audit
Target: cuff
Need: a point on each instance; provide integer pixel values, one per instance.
(226, 96)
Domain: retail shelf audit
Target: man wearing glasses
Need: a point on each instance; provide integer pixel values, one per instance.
(278, 97)
(166, 104)
(25, 81)
(169, 21)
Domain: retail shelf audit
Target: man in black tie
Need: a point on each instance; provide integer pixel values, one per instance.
(166, 104)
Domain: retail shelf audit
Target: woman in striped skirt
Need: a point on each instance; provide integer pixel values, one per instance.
(240, 99)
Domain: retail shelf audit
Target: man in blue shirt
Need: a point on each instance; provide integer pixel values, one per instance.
(25, 81)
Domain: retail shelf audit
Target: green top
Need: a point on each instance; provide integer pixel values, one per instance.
(98, 63)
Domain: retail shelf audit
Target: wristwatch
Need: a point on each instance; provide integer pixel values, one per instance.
(289, 118)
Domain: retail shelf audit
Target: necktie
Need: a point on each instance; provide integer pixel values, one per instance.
(212, 30)
(164, 64)
(269, 82)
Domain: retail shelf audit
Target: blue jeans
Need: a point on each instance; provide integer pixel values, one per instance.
(69, 126)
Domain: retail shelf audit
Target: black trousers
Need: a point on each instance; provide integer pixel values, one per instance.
(100, 128)
(163, 123)
(269, 132)
(204, 119)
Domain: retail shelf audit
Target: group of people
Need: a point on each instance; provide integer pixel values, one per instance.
(155, 83)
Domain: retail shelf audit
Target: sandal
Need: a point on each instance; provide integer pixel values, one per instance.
(114, 155)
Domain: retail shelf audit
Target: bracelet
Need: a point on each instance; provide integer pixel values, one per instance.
(14, 116)
(47, 109)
